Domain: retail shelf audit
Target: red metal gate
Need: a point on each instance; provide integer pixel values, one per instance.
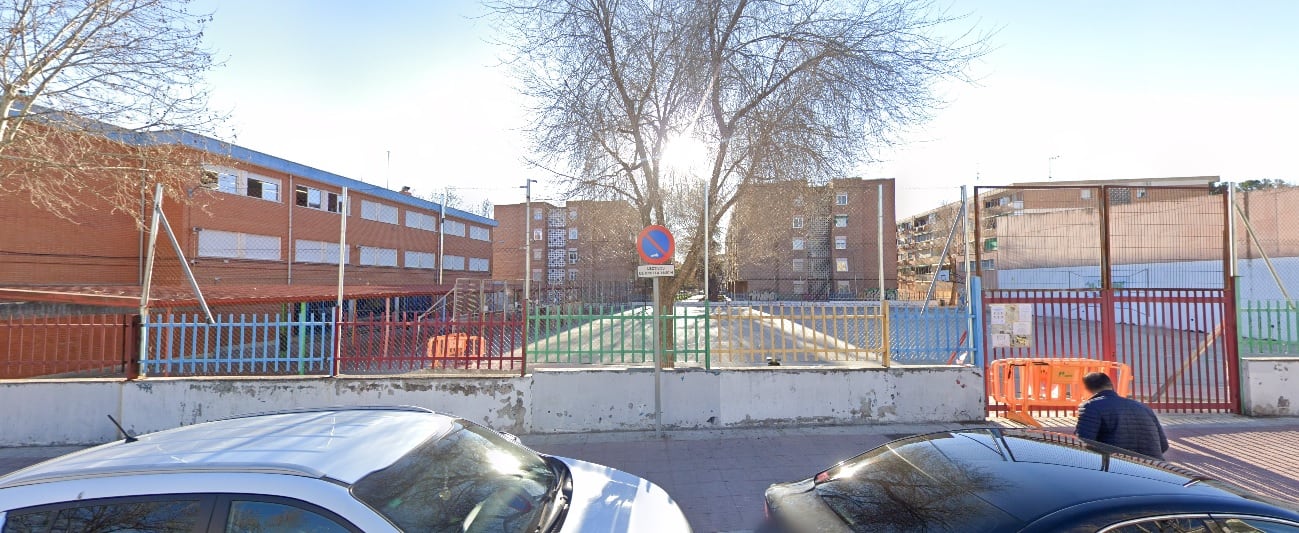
(1179, 343)
(1101, 276)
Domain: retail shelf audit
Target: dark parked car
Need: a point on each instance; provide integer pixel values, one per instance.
(1016, 480)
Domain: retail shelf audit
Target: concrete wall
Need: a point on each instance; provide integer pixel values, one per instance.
(1271, 385)
(72, 412)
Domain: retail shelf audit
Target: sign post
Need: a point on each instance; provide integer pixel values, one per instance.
(656, 246)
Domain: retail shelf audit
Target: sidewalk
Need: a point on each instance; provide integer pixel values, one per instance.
(718, 476)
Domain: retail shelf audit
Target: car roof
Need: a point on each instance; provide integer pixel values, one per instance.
(1030, 474)
(342, 444)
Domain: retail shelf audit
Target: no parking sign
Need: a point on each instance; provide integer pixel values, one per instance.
(656, 245)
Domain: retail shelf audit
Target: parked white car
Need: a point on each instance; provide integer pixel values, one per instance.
(330, 470)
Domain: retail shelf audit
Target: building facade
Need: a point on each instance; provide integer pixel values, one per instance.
(792, 240)
(581, 246)
(262, 221)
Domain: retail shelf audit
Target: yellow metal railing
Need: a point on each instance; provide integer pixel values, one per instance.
(797, 333)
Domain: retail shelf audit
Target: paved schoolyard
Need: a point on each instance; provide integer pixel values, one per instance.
(718, 476)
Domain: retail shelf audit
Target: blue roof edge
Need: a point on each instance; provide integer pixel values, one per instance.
(248, 155)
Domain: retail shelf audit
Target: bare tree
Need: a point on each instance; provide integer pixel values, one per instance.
(87, 90)
(775, 90)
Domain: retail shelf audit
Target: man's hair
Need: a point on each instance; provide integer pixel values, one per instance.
(1097, 381)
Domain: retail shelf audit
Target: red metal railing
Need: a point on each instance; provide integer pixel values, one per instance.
(402, 344)
(67, 346)
(1180, 343)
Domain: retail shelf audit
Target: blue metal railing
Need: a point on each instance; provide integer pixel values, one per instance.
(238, 344)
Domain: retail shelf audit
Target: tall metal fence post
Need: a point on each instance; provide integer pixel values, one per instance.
(976, 334)
(970, 268)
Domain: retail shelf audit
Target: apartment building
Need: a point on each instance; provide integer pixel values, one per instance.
(581, 244)
(921, 239)
(264, 222)
(801, 241)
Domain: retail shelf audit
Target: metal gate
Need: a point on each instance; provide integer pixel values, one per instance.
(1137, 275)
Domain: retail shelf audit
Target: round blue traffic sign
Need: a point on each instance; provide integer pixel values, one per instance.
(656, 245)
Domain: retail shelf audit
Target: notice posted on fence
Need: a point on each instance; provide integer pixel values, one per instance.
(1010, 325)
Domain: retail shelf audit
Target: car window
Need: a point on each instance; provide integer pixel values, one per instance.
(135, 516)
(1252, 525)
(910, 485)
(269, 517)
(471, 480)
(1165, 525)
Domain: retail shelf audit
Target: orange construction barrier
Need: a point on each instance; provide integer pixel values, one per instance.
(456, 346)
(1025, 384)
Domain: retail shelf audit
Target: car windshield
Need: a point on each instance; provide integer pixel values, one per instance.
(470, 480)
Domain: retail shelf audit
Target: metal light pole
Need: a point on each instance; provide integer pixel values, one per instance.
(1049, 165)
(708, 219)
(527, 241)
(442, 232)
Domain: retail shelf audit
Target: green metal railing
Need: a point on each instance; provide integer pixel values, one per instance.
(1268, 327)
(614, 334)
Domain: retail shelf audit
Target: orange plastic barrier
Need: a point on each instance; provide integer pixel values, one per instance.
(456, 346)
(1024, 384)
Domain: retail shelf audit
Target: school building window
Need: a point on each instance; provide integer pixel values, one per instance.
(378, 212)
(234, 181)
(421, 221)
(797, 223)
(374, 256)
(841, 199)
(800, 286)
(572, 274)
(453, 227)
(798, 244)
(477, 264)
(840, 242)
(572, 256)
(420, 260)
(841, 264)
(233, 245)
(798, 265)
(841, 221)
(480, 234)
(317, 199)
(453, 262)
(572, 234)
(305, 251)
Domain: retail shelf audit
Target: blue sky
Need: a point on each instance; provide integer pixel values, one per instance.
(1117, 89)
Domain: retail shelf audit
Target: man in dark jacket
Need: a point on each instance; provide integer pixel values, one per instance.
(1112, 419)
